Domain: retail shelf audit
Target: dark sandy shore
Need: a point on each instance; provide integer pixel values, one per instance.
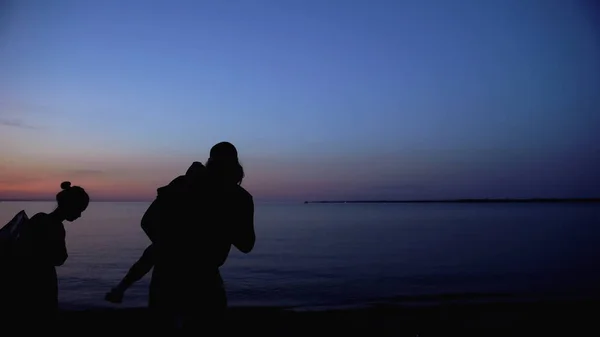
(568, 318)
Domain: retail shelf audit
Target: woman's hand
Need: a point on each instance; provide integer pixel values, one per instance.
(115, 296)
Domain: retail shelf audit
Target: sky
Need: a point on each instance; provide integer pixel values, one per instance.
(336, 99)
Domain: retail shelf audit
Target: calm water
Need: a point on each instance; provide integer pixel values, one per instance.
(310, 256)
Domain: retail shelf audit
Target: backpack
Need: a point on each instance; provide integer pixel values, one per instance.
(10, 235)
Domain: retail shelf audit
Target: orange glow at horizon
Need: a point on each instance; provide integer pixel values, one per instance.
(43, 182)
(137, 177)
(133, 183)
(96, 188)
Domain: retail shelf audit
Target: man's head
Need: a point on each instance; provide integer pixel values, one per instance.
(223, 164)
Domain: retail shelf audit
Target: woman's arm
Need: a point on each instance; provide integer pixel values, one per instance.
(52, 242)
(140, 268)
(243, 236)
(60, 249)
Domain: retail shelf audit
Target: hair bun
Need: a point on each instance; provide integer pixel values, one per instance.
(65, 185)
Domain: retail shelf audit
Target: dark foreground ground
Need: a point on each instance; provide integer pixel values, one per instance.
(565, 318)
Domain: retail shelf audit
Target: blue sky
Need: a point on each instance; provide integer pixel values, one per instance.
(324, 99)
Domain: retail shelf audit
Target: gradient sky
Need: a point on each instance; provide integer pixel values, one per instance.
(325, 99)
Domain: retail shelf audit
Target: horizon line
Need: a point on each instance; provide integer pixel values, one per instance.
(595, 199)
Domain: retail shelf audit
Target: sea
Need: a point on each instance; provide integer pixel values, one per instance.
(328, 256)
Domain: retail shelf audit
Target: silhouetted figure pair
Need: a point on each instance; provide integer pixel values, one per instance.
(192, 224)
(158, 210)
(31, 279)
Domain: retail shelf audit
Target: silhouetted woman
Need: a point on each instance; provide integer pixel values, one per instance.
(191, 248)
(41, 249)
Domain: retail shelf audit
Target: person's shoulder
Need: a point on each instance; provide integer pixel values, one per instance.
(38, 222)
(173, 185)
(178, 180)
(244, 194)
(39, 217)
(176, 183)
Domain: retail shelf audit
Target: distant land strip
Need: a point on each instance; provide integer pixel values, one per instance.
(491, 200)
(506, 200)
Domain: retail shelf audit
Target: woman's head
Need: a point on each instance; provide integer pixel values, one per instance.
(72, 201)
(224, 165)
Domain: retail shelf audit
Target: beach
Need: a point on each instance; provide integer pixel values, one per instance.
(573, 318)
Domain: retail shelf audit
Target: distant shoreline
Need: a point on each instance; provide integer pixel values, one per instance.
(425, 201)
(507, 200)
